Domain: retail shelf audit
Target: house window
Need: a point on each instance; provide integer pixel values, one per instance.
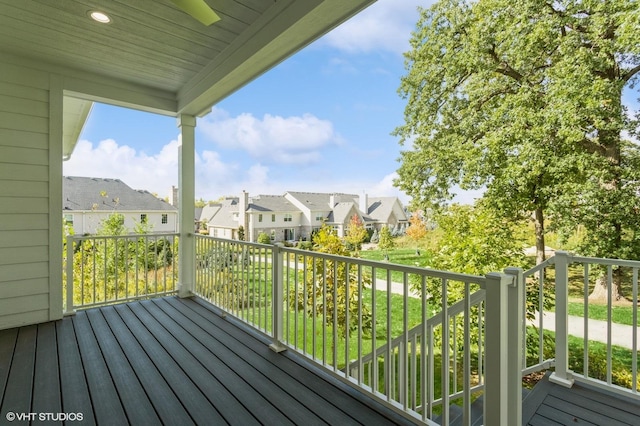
(165, 218)
(319, 217)
(287, 217)
(68, 219)
(273, 218)
(143, 218)
(260, 217)
(289, 234)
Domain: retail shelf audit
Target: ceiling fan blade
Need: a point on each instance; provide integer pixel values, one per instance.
(199, 9)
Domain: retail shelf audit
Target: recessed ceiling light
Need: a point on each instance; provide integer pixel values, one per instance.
(101, 17)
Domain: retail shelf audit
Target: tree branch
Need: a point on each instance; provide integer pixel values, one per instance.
(629, 74)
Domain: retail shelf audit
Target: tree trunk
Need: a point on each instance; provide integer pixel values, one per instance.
(539, 231)
(600, 291)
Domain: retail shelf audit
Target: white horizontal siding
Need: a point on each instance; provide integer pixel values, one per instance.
(24, 196)
(18, 255)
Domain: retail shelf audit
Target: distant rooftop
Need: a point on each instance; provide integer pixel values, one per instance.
(103, 194)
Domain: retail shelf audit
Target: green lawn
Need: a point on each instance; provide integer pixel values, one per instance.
(403, 256)
(619, 314)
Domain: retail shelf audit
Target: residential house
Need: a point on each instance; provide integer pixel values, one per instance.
(87, 202)
(273, 215)
(295, 216)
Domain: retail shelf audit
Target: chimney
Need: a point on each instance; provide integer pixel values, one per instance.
(364, 203)
(243, 216)
(173, 196)
(333, 200)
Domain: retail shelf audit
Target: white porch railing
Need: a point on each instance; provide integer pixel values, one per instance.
(418, 339)
(102, 270)
(561, 275)
(340, 311)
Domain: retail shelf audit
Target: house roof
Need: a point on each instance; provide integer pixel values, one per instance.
(85, 193)
(224, 216)
(380, 208)
(271, 203)
(342, 211)
(316, 201)
(208, 211)
(155, 57)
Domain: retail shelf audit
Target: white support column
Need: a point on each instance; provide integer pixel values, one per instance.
(497, 411)
(515, 331)
(186, 205)
(562, 376)
(277, 324)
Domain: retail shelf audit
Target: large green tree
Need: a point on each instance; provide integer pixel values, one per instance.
(524, 99)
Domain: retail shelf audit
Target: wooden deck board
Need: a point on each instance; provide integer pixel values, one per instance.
(168, 406)
(74, 390)
(138, 410)
(552, 404)
(7, 346)
(231, 410)
(239, 377)
(46, 398)
(315, 378)
(170, 361)
(18, 391)
(347, 399)
(104, 396)
(199, 407)
(250, 365)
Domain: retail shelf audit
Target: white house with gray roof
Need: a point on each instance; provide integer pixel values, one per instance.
(295, 215)
(88, 201)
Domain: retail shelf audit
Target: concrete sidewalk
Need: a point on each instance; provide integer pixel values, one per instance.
(621, 335)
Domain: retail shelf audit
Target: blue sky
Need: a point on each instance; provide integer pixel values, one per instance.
(319, 122)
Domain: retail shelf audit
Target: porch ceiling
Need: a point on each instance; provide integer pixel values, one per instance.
(155, 57)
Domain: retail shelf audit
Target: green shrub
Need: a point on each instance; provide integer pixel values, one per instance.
(263, 238)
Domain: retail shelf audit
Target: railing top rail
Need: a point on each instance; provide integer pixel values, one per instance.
(106, 237)
(226, 240)
(602, 261)
(572, 258)
(418, 270)
(548, 262)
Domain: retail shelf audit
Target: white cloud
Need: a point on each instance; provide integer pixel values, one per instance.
(385, 188)
(289, 140)
(155, 173)
(386, 25)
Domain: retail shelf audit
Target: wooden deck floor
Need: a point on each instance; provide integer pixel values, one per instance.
(169, 361)
(550, 404)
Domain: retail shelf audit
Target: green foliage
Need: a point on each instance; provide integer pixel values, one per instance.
(386, 241)
(332, 291)
(264, 238)
(524, 99)
(112, 225)
(417, 229)
(475, 240)
(356, 233)
(124, 266)
(241, 233)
